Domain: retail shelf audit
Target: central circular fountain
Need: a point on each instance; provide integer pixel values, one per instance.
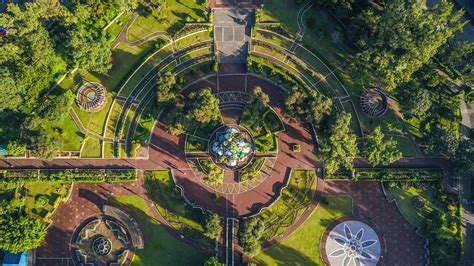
(231, 147)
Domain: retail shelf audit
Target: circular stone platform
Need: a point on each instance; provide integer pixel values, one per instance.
(91, 97)
(231, 147)
(374, 102)
(100, 241)
(351, 242)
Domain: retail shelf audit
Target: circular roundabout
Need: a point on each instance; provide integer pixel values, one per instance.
(101, 241)
(351, 242)
(91, 97)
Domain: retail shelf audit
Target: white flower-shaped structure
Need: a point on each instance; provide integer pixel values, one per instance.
(343, 247)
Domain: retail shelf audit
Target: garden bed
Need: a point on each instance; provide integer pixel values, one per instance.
(294, 200)
(171, 205)
(437, 214)
(303, 246)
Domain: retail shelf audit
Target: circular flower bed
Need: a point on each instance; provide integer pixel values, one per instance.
(231, 147)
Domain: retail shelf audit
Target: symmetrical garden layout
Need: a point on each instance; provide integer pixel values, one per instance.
(152, 190)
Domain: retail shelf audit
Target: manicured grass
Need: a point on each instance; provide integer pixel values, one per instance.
(404, 145)
(194, 144)
(42, 198)
(294, 200)
(303, 246)
(128, 120)
(115, 29)
(94, 121)
(145, 123)
(154, 59)
(173, 208)
(108, 150)
(113, 118)
(124, 60)
(354, 122)
(91, 149)
(170, 17)
(272, 38)
(193, 38)
(72, 137)
(161, 248)
(198, 71)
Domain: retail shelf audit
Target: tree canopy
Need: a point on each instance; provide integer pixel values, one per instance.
(400, 39)
(213, 227)
(250, 235)
(380, 152)
(203, 106)
(340, 147)
(19, 232)
(306, 106)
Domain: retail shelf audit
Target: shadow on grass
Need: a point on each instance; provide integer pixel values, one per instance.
(285, 255)
(161, 247)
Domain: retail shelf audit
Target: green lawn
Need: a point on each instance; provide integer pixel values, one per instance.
(294, 200)
(404, 145)
(116, 27)
(303, 246)
(108, 150)
(42, 198)
(171, 17)
(173, 208)
(161, 248)
(349, 108)
(145, 122)
(94, 121)
(71, 135)
(194, 144)
(91, 149)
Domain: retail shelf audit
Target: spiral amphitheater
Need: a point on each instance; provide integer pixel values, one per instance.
(91, 97)
(374, 102)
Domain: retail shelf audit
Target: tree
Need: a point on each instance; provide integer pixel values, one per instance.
(56, 110)
(44, 143)
(203, 106)
(319, 107)
(257, 93)
(416, 102)
(213, 261)
(310, 108)
(15, 148)
(12, 92)
(166, 92)
(377, 151)
(403, 37)
(341, 147)
(464, 158)
(19, 233)
(89, 50)
(250, 235)
(443, 137)
(175, 122)
(213, 227)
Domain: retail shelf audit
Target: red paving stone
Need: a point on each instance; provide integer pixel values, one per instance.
(403, 245)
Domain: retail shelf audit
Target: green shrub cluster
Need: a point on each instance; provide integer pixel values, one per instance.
(252, 170)
(67, 175)
(390, 174)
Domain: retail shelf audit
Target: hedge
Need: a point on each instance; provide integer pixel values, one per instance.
(390, 174)
(67, 175)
